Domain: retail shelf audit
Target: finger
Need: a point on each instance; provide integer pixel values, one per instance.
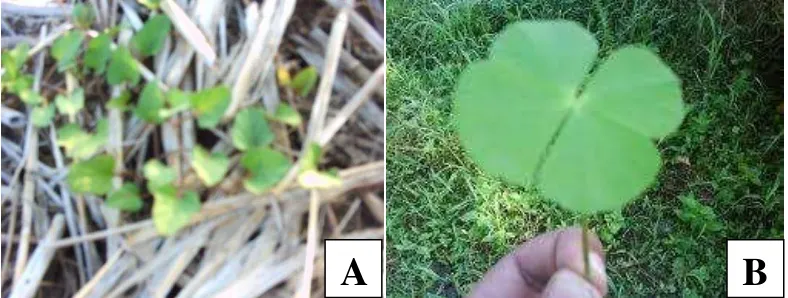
(527, 270)
(567, 283)
(545, 255)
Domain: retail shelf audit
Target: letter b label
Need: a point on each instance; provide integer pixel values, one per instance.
(354, 267)
(755, 268)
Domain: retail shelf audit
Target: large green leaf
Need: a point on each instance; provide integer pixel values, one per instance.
(151, 102)
(209, 105)
(150, 39)
(171, 213)
(126, 198)
(92, 175)
(525, 114)
(66, 48)
(70, 104)
(122, 68)
(158, 174)
(80, 144)
(266, 166)
(209, 167)
(250, 129)
(98, 53)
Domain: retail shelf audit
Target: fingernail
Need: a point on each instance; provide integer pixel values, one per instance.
(597, 267)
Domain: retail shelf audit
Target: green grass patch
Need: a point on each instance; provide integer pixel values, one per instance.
(722, 175)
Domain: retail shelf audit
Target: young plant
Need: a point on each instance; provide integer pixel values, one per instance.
(533, 115)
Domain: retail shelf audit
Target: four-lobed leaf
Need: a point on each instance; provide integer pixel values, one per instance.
(122, 68)
(531, 114)
(209, 105)
(150, 103)
(92, 176)
(250, 129)
(41, 116)
(126, 198)
(171, 213)
(286, 114)
(72, 103)
(210, 167)
(304, 81)
(158, 174)
(266, 166)
(66, 49)
(150, 39)
(98, 53)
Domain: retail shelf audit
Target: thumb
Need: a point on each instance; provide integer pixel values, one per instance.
(566, 283)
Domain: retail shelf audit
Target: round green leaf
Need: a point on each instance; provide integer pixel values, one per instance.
(151, 102)
(41, 116)
(171, 213)
(92, 175)
(66, 48)
(122, 68)
(158, 174)
(267, 168)
(524, 115)
(150, 39)
(209, 105)
(211, 168)
(250, 129)
(126, 198)
(98, 53)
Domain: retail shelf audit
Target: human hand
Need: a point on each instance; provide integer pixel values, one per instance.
(551, 266)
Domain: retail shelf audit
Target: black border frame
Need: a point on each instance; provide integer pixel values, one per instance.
(727, 254)
(382, 268)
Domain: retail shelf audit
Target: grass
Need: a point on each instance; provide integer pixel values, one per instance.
(448, 222)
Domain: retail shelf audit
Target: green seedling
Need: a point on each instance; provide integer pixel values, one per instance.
(210, 167)
(120, 102)
(151, 101)
(310, 177)
(286, 114)
(172, 211)
(66, 49)
(98, 53)
(150, 39)
(209, 105)
(266, 166)
(92, 176)
(126, 198)
(250, 130)
(304, 81)
(122, 68)
(41, 116)
(533, 115)
(158, 174)
(82, 145)
(70, 104)
(83, 16)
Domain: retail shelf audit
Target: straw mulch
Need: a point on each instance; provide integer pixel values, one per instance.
(59, 244)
